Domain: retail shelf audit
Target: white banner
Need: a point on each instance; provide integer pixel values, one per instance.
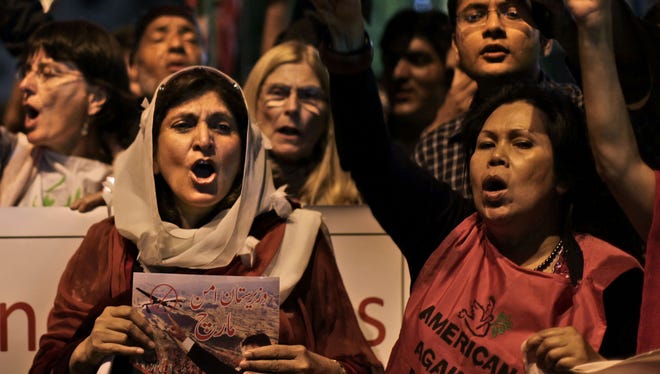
(36, 243)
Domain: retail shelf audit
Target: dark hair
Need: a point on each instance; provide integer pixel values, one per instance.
(98, 56)
(431, 25)
(258, 339)
(587, 206)
(185, 86)
(153, 13)
(565, 127)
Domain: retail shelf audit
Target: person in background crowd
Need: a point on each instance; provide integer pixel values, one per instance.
(167, 38)
(78, 115)
(124, 36)
(484, 282)
(416, 78)
(18, 20)
(287, 94)
(198, 167)
(494, 51)
(458, 98)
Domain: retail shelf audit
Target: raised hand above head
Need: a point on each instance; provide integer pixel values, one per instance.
(344, 20)
(589, 12)
(613, 141)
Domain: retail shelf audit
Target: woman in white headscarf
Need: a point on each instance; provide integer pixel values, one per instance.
(194, 193)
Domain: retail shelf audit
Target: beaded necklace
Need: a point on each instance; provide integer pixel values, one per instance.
(558, 248)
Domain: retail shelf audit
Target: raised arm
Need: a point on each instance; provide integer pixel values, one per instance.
(344, 21)
(613, 142)
(414, 209)
(632, 45)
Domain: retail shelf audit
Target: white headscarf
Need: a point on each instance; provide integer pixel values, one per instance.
(212, 245)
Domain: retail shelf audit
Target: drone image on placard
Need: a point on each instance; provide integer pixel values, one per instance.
(162, 296)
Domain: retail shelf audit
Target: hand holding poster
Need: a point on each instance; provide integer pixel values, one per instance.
(203, 321)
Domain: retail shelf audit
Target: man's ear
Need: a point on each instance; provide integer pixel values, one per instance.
(546, 46)
(451, 58)
(457, 54)
(96, 98)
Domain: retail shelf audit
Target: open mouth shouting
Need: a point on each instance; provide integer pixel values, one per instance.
(289, 131)
(203, 172)
(31, 114)
(493, 189)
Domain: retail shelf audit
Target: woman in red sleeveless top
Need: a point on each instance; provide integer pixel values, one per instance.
(484, 282)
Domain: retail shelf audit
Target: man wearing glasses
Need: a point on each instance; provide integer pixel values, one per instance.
(498, 43)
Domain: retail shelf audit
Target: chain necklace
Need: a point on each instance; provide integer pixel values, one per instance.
(558, 248)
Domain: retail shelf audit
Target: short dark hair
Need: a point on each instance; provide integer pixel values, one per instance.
(566, 127)
(186, 85)
(98, 56)
(431, 25)
(156, 12)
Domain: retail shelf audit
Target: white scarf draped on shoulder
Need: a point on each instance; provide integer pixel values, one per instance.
(163, 244)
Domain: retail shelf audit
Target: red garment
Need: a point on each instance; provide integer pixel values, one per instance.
(471, 308)
(318, 313)
(648, 336)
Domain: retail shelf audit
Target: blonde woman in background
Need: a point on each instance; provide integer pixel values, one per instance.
(287, 95)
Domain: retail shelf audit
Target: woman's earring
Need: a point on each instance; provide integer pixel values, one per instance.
(85, 130)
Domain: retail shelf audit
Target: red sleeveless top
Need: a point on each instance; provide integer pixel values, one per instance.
(648, 337)
(471, 308)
